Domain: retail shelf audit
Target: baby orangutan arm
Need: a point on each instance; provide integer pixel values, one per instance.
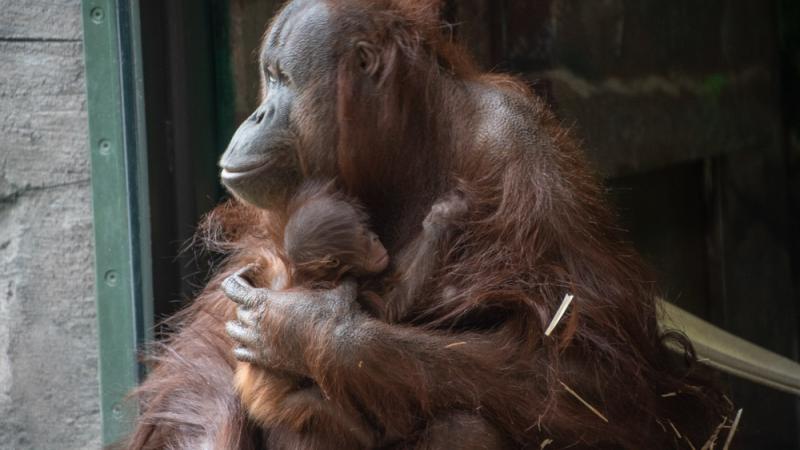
(422, 258)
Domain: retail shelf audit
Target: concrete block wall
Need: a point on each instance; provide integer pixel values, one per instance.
(48, 337)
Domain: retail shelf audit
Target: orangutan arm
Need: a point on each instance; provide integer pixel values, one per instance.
(188, 400)
(398, 374)
(422, 258)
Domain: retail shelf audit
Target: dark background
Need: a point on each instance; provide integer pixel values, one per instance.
(688, 109)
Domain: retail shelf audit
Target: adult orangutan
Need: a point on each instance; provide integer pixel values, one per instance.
(370, 93)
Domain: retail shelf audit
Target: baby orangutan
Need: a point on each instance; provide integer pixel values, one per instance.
(327, 239)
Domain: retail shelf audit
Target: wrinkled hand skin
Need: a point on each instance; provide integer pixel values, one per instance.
(272, 327)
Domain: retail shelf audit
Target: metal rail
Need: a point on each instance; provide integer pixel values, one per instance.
(119, 201)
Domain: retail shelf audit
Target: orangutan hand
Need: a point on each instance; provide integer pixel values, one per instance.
(274, 327)
(446, 210)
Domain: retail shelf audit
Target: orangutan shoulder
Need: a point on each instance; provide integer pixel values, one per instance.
(508, 120)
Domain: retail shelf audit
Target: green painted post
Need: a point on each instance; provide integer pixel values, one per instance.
(225, 86)
(119, 184)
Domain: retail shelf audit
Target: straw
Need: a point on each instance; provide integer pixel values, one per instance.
(585, 403)
(559, 314)
(732, 430)
(455, 344)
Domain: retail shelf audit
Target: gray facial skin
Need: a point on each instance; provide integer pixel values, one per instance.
(264, 160)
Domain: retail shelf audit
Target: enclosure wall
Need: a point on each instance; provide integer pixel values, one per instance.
(48, 345)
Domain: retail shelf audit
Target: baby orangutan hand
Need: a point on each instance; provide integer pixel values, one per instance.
(446, 210)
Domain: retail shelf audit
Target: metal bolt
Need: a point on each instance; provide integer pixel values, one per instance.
(116, 411)
(111, 278)
(97, 15)
(105, 147)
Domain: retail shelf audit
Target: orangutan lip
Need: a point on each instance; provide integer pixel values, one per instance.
(383, 259)
(244, 172)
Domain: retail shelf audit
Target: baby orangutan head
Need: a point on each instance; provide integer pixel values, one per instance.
(327, 236)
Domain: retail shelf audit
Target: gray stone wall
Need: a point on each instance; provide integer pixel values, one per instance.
(48, 339)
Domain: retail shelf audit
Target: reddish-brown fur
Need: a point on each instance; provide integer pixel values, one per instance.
(324, 226)
(283, 401)
(323, 236)
(537, 229)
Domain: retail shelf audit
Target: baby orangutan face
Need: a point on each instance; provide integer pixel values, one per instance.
(374, 256)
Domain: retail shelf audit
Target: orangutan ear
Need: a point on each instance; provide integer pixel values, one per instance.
(369, 58)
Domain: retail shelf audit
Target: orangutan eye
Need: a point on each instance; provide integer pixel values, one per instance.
(272, 78)
(276, 76)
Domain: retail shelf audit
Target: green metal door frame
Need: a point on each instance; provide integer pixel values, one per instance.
(126, 223)
(119, 198)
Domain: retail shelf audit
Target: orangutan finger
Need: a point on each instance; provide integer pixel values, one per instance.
(245, 355)
(243, 335)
